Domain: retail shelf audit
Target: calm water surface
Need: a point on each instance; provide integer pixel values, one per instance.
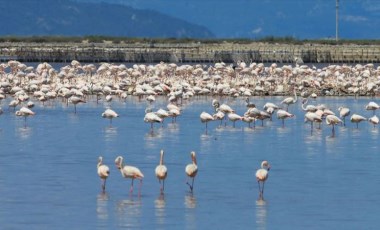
(48, 176)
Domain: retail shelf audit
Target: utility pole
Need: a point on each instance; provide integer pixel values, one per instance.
(336, 21)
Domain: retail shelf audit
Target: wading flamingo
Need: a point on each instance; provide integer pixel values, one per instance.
(103, 172)
(205, 118)
(333, 120)
(129, 172)
(161, 171)
(109, 114)
(355, 118)
(343, 113)
(282, 114)
(262, 176)
(24, 112)
(191, 170)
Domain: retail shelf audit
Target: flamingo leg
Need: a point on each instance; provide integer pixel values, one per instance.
(260, 192)
(131, 189)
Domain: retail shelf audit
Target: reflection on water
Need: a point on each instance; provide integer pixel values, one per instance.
(261, 214)
(190, 217)
(101, 206)
(159, 205)
(151, 138)
(129, 212)
(110, 133)
(24, 132)
(173, 127)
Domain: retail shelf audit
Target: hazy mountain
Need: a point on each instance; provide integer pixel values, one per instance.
(358, 19)
(74, 18)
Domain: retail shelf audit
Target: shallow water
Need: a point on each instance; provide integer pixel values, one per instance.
(48, 176)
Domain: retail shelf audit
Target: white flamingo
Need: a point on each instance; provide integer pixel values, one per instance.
(76, 100)
(24, 112)
(103, 172)
(312, 117)
(161, 171)
(151, 118)
(282, 114)
(130, 172)
(109, 114)
(343, 113)
(333, 120)
(372, 106)
(205, 118)
(290, 100)
(234, 117)
(355, 118)
(192, 170)
(374, 120)
(262, 176)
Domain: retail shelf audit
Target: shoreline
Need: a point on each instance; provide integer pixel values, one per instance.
(195, 52)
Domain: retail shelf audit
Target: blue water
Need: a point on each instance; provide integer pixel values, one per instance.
(48, 176)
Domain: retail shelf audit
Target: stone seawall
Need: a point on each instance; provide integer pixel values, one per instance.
(189, 52)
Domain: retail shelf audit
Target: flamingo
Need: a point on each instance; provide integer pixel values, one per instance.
(151, 118)
(249, 104)
(109, 114)
(234, 117)
(129, 172)
(282, 114)
(333, 120)
(219, 116)
(355, 118)
(262, 176)
(161, 171)
(162, 114)
(308, 108)
(205, 118)
(290, 100)
(374, 120)
(343, 113)
(76, 100)
(24, 112)
(191, 170)
(103, 172)
(312, 117)
(372, 106)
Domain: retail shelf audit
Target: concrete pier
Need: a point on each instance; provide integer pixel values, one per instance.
(189, 52)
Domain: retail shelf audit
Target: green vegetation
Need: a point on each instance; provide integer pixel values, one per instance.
(131, 40)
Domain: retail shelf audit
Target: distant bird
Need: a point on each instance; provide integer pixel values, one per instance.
(290, 100)
(109, 114)
(151, 98)
(205, 118)
(30, 104)
(308, 108)
(109, 98)
(343, 113)
(219, 116)
(162, 114)
(234, 117)
(282, 114)
(262, 176)
(333, 120)
(355, 118)
(129, 172)
(215, 103)
(76, 100)
(249, 104)
(372, 106)
(24, 112)
(312, 117)
(374, 120)
(14, 103)
(103, 172)
(191, 170)
(151, 118)
(161, 171)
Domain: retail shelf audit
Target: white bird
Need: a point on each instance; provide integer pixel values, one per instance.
(308, 108)
(76, 100)
(262, 176)
(161, 171)
(374, 120)
(129, 172)
(290, 100)
(219, 116)
(312, 117)
(282, 114)
(24, 112)
(234, 117)
(372, 106)
(109, 114)
(103, 172)
(151, 118)
(191, 170)
(162, 114)
(355, 118)
(205, 118)
(333, 120)
(343, 113)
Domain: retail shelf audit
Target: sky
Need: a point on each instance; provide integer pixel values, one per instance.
(302, 19)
